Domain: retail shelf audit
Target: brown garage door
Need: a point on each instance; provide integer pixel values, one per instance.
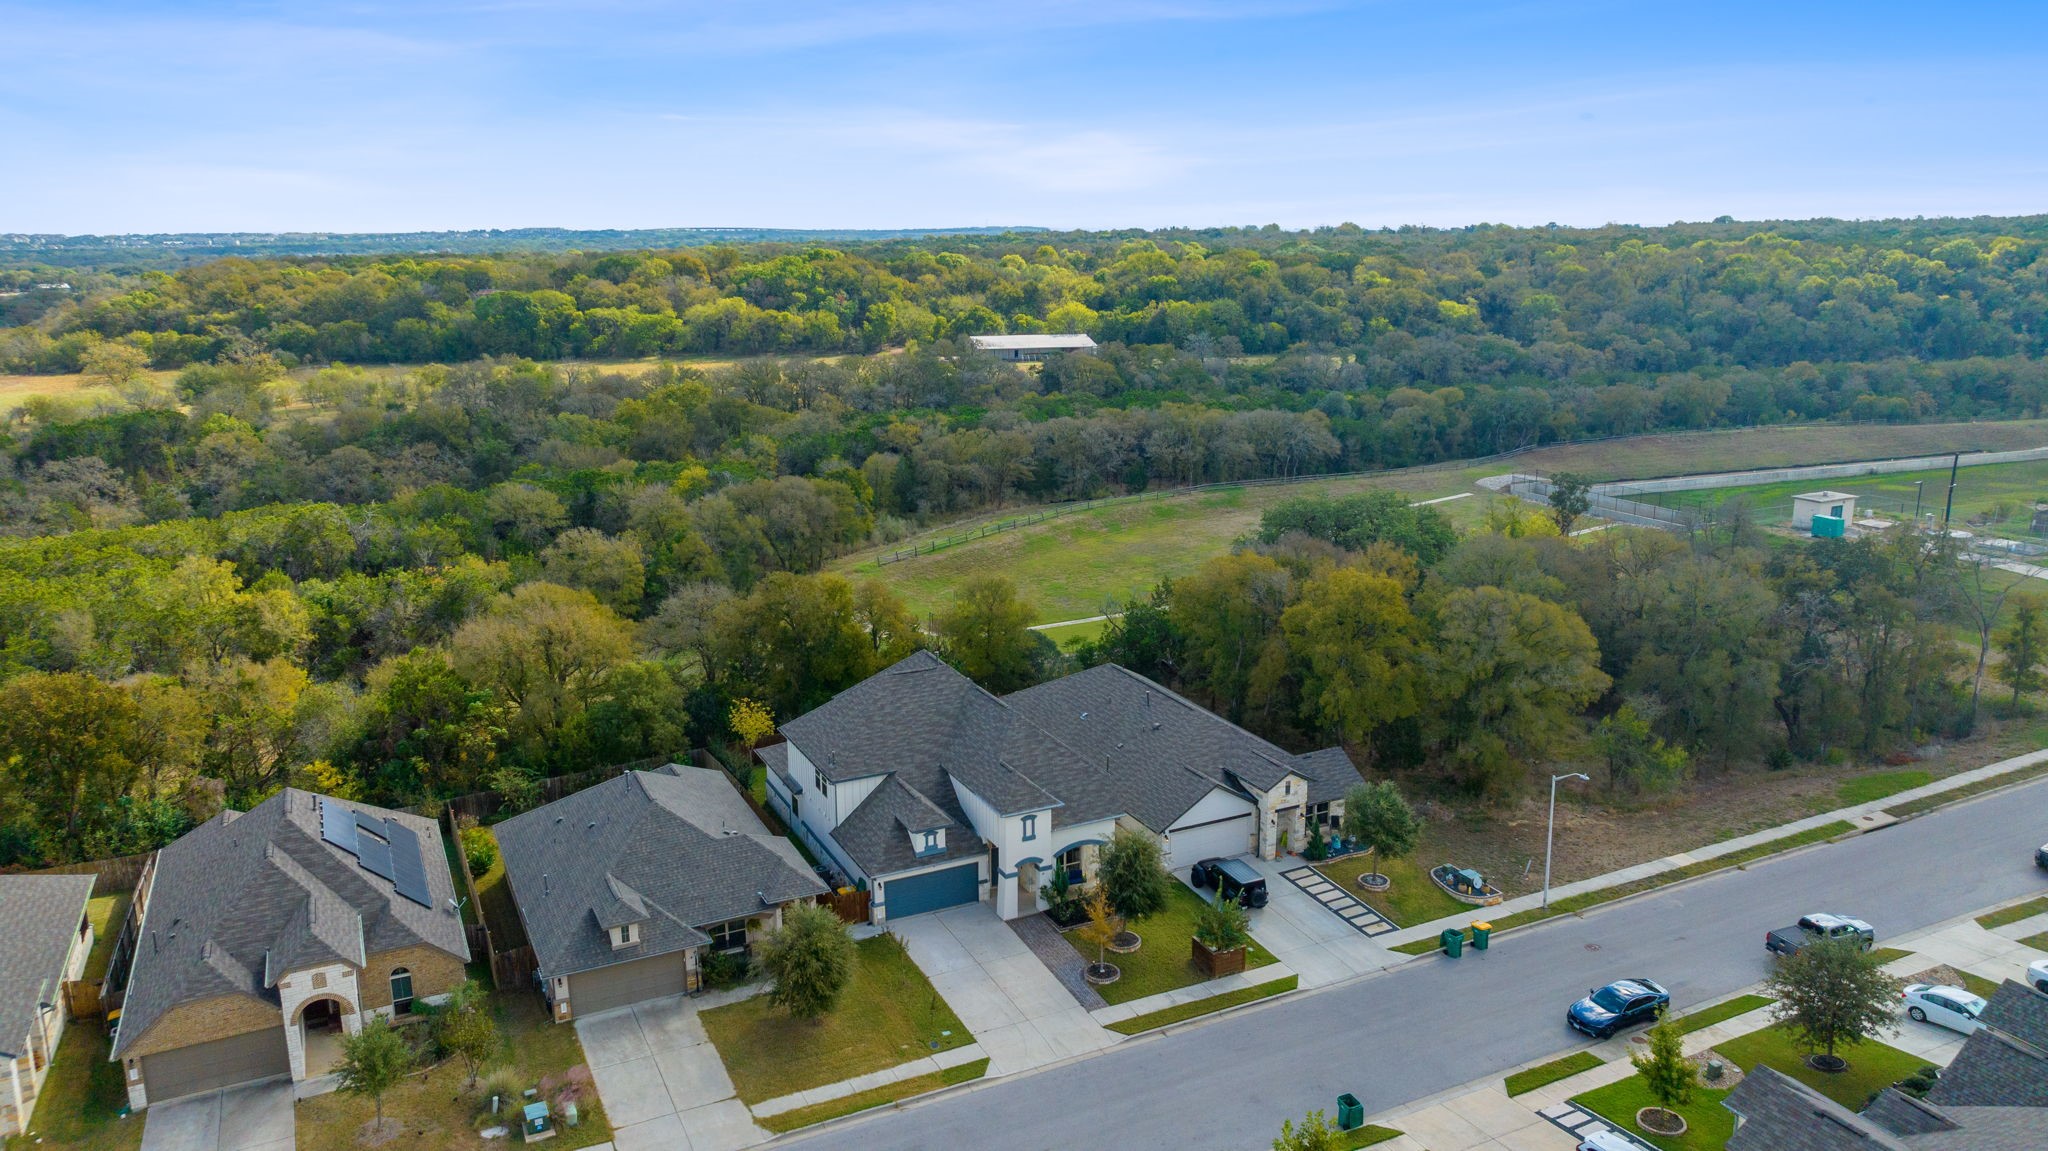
(221, 1063)
(623, 984)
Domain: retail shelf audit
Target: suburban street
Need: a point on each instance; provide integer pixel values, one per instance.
(1434, 1024)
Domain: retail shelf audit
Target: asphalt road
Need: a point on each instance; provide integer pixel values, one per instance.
(1434, 1024)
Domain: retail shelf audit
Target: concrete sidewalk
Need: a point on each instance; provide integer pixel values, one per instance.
(1481, 1116)
(1866, 816)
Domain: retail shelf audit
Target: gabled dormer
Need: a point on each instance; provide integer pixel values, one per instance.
(926, 841)
(623, 915)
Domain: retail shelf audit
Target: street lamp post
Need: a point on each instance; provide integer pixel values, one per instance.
(1916, 502)
(1550, 832)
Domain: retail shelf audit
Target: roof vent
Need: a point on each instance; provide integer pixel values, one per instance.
(1084, 715)
(558, 819)
(591, 826)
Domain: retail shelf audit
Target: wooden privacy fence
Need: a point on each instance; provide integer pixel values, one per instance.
(111, 875)
(850, 906)
(513, 969)
(82, 998)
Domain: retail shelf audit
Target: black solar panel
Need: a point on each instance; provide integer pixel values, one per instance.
(408, 870)
(337, 825)
(375, 855)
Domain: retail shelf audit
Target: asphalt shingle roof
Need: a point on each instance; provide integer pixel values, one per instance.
(247, 896)
(1781, 1114)
(41, 914)
(2019, 1011)
(1993, 1070)
(679, 843)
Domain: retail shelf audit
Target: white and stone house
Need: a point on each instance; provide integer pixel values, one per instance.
(265, 936)
(934, 792)
(45, 938)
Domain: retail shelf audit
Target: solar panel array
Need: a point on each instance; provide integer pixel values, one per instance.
(408, 868)
(383, 847)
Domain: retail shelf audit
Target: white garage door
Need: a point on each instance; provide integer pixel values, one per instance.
(1223, 837)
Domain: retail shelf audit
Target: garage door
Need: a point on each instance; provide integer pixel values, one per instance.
(624, 984)
(1224, 837)
(210, 1066)
(916, 894)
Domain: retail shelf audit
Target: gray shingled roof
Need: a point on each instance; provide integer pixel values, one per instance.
(679, 843)
(1780, 1113)
(244, 897)
(1099, 743)
(2019, 1011)
(41, 914)
(877, 834)
(1993, 1070)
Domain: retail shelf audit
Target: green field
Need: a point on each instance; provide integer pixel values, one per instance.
(1077, 565)
(1979, 492)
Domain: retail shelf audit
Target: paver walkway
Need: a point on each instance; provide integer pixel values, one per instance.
(1584, 1124)
(1043, 937)
(1352, 910)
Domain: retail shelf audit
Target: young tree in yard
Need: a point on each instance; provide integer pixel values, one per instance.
(373, 1060)
(1377, 814)
(466, 1029)
(1570, 497)
(1833, 993)
(1103, 926)
(1130, 873)
(811, 959)
(1663, 1069)
(2022, 645)
(986, 632)
(750, 721)
(1313, 1133)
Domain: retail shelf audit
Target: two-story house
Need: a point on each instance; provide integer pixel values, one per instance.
(936, 793)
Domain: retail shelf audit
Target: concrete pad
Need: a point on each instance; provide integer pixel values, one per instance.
(1440, 1130)
(1018, 1047)
(633, 1091)
(725, 1126)
(663, 1134)
(1539, 1137)
(931, 946)
(257, 1116)
(976, 999)
(669, 1025)
(186, 1125)
(1494, 1113)
(985, 937)
(281, 1145)
(694, 1075)
(612, 1037)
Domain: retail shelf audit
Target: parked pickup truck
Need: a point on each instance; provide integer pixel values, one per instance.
(1814, 928)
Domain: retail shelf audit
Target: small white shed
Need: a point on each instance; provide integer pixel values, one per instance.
(1841, 505)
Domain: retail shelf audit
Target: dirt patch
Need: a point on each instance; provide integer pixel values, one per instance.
(1731, 1075)
(378, 1132)
(1595, 836)
(1940, 975)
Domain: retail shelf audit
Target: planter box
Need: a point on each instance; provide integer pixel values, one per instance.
(1217, 963)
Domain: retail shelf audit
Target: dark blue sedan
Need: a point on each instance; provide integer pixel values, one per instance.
(1622, 1003)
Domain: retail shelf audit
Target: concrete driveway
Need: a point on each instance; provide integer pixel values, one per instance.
(1307, 936)
(663, 1085)
(257, 1117)
(1016, 1009)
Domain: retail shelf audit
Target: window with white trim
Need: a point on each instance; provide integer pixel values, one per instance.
(625, 935)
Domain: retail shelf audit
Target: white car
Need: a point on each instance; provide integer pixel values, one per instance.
(1950, 1007)
(1608, 1141)
(2037, 974)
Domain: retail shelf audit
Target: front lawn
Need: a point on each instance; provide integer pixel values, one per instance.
(1872, 1065)
(889, 1014)
(1413, 899)
(1708, 1125)
(440, 1113)
(1166, 961)
(2037, 942)
(83, 1098)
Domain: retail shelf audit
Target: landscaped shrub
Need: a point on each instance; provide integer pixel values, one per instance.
(723, 969)
(480, 848)
(1223, 925)
(1131, 874)
(1062, 903)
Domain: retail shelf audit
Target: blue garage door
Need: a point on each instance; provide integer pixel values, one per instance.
(916, 894)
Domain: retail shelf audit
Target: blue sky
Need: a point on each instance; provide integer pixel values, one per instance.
(376, 115)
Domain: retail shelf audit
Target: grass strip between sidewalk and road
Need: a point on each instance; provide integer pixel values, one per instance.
(1544, 1074)
(1706, 1017)
(1884, 955)
(1585, 900)
(1365, 1136)
(873, 1097)
(2015, 913)
(1927, 803)
(1182, 1012)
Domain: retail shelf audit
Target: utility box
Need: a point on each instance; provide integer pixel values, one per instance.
(1829, 527)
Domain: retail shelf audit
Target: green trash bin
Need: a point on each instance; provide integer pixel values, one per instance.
(1481, 932)
(1350, 1112)
(1453, 941)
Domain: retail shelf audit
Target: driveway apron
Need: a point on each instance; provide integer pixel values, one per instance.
(257, 1117)
(663, 1085)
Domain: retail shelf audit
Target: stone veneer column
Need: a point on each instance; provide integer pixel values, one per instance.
(297, 989)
